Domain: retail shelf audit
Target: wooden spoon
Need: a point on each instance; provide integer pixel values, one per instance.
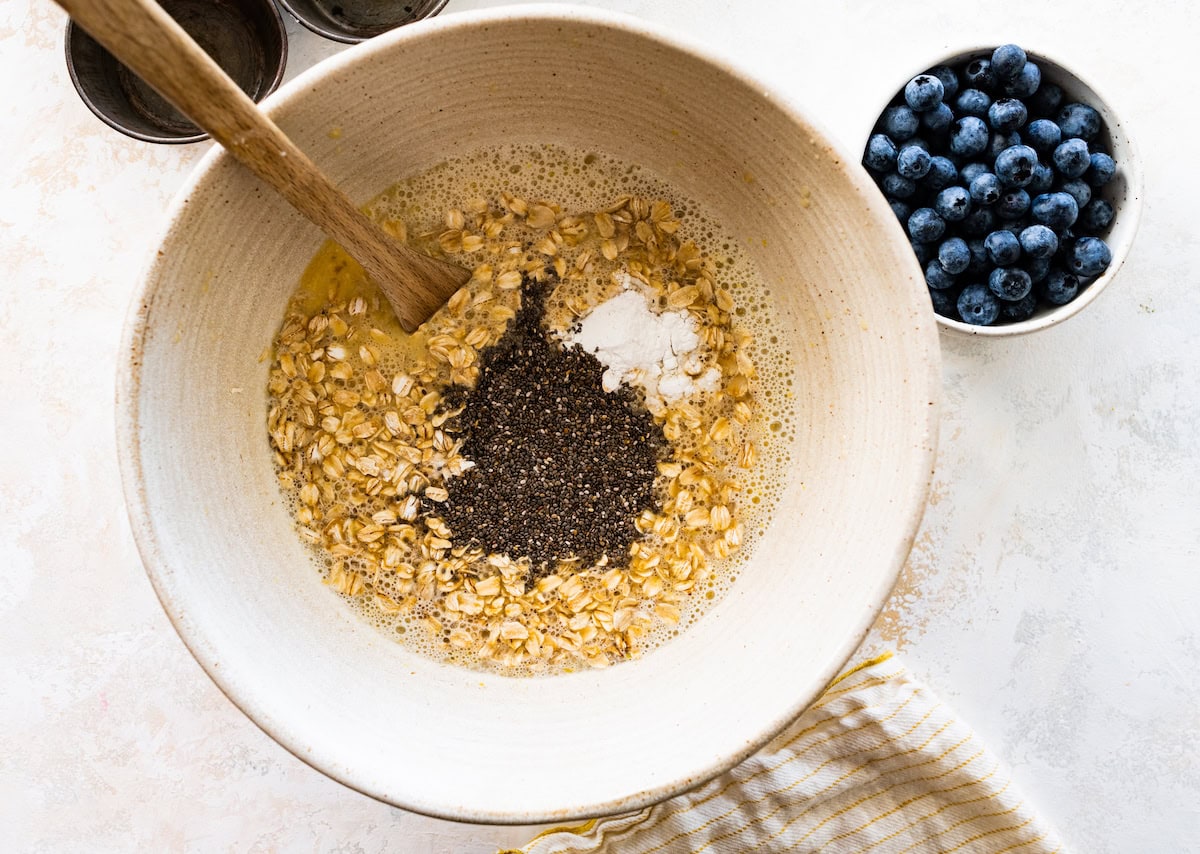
(149, 41)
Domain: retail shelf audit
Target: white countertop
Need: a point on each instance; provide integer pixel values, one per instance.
(1053, 596)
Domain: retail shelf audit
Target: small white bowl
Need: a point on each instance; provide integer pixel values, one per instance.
(1124, 191)
(221, 547)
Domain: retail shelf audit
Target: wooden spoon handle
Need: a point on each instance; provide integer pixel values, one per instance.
(146, 39)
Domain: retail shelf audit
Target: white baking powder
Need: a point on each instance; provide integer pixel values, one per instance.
(658, 351)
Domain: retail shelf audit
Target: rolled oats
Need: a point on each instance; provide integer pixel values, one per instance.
(367, 448)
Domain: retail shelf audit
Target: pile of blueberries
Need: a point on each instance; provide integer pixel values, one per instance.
(997, 181)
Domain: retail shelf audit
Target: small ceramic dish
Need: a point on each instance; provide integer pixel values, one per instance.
(1123, 192)
(358, 20)
(245, 37)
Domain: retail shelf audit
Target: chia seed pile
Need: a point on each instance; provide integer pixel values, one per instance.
(562, 468)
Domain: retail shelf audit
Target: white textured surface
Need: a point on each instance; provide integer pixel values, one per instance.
(1053, 598)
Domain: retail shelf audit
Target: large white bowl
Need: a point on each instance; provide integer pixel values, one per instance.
(219, 544)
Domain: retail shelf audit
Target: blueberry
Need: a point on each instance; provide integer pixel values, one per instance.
(937, 278)
(948, 77)
(986, 189)
(1055, 210)
(880, 154)
(980, 263)
(1096, 215)
(1014, 204)
(945, 303)
(925, 225)
(977, 306)
(1043, 135)
(937, 120)
(913, 162)
(1079, 120)
(1014, 165)
(954, 255)
(1046, 100)
(1007, 61)
(979, 222)
(1089, 256)
(1102, 169)
(1007, 114)
(1010, 283)
(1078, 190)
(1037, 268)
(1037, 241)
(953, 204)
(1042, 180)
(942, 173)
(1059, 288)
(973, 102)
(979, 75)
(925, 252)
(1003, 248)
(1022, 309)
(900, 123)
(1000, 141)
(1027, 81)
(924, 92)
(1071, 158)
(900, 209)
(972, 171)
(896, 186)
(1016, 226)
(968, 137)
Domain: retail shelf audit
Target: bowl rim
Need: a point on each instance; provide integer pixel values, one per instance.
(1130, 211)
(144, 529)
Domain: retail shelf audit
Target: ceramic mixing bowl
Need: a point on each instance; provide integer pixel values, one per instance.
(245, 596)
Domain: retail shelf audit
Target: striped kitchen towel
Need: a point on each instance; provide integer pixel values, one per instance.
(878, 764)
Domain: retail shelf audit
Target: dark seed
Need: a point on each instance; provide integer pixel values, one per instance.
(562, 468)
